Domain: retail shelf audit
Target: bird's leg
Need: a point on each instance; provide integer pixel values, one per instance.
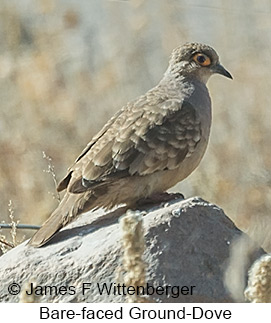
(159, 198)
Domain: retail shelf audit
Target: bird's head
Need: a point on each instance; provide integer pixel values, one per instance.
(197, 61)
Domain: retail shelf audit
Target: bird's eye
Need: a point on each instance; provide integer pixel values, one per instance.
(202, 59)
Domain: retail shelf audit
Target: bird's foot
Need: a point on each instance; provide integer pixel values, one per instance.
(159, 198)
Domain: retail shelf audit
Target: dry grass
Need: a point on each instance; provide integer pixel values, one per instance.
(26, 298)
(6, 243)
(133, 243)
(66, 68)
(259, 283)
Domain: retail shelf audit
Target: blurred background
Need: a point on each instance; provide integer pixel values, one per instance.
(66, 66)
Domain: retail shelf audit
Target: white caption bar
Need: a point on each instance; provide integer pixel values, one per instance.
(147, 312)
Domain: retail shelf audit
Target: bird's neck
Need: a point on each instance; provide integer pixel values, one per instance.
(178, 84)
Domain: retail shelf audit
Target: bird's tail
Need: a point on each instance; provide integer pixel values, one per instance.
(69, 208)
(48, 229)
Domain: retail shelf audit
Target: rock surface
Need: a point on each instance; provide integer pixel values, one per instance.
(187, 244)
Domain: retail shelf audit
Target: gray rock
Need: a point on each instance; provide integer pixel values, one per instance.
(187, 244)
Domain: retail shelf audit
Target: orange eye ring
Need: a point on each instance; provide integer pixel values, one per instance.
(202, 59)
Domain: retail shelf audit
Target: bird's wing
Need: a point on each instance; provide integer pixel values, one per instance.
(65, 181)
(138, 142)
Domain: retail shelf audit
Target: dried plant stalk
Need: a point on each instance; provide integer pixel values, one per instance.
(4, 243)
(24, 297)
(51, 170)
(259, 282)
(134, 246)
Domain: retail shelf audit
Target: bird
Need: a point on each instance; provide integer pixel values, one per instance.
(148, 146)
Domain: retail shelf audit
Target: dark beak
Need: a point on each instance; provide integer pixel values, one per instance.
(219, 69)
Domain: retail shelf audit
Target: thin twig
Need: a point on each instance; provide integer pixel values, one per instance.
(13, 231)
(7, 243)
(51, 170)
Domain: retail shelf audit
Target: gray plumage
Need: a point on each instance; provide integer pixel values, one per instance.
(147, 147)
